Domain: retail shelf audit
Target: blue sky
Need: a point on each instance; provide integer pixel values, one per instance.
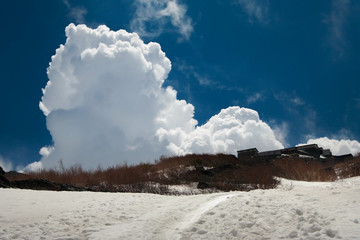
(294, 62)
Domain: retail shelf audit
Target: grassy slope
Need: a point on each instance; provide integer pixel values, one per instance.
(221, 171)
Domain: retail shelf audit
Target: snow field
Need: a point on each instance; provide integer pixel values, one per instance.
(296, 210)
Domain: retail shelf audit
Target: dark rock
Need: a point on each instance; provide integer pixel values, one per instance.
(221, 169)
(199, 168)
(13, 175)
(206, 172)
(203, 185)
(35, 184)
(2, 172)
(4, 182)
(40, 184)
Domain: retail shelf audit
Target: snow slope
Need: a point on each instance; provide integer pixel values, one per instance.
(295, 210)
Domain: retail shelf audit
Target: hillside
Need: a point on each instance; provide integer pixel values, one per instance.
(199, 173)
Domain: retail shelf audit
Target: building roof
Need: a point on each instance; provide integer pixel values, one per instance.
(312, 150)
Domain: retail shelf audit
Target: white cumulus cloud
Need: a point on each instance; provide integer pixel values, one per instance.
(46, 151)
(105, 104)
(152, 16)
(337, 147)
(233, 128)
(33, 167)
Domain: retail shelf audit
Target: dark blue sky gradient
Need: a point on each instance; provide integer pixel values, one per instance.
(229, 57)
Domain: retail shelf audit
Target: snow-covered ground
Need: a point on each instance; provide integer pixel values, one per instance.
(296, 210)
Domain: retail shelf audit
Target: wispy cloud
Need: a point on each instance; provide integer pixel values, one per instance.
(310, 119)
(257, 10)
(76, 13)
(191, 73)
(297, 101)
(298, 107)
(281, 132)
(336, 21)
(343, 134)
(204, 80)
(254, 98)
(6, 164)
(289, 101)
(152, 16)
(357, 102)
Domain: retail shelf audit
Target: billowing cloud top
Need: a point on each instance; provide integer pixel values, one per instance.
(105, 104)
(232, 129)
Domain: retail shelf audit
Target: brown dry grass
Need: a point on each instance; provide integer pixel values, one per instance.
(106, 180)
(348, 168)
(219, 171)
(296, 168)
